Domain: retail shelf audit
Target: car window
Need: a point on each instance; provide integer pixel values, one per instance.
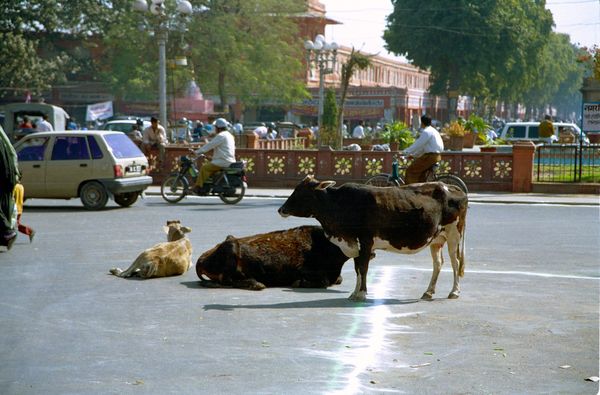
(70, 148)
(32, 149)
(516, 132)
(120, 127)
(94, 148)
(534, 132)
(121, 146)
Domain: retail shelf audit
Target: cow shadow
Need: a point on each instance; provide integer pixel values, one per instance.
(307, 304)
(313, 304)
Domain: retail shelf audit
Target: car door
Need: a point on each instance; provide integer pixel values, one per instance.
(31, 153)
(68, 166)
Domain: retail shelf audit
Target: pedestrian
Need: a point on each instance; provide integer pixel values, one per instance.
(26, 123)
(359, 131)
(44, 125)
(155, 136)
(238, 128)
(426, 150)
(18, 195)
(9, 172)
(546, 130)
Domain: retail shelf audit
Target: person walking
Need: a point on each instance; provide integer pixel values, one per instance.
(9, 172)
(223, 147)
(19, 196)
(426, 151)
(359, 131)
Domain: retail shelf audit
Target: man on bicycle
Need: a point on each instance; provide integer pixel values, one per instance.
(223, 147)
(426, 150)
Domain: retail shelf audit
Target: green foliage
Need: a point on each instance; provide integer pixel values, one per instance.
(398, 132)
(355, 61)
(488, 47)
(477, 125)
(22, 70)
(328, 133)
(249, 50)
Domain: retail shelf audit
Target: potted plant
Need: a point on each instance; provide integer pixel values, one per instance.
(475, 128)
(456, 132)
(491, 145)
(398, 135)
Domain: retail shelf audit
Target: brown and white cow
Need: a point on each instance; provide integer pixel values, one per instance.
(361, 218)
(171, 258)
(298, 257)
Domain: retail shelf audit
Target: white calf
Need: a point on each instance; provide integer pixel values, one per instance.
(171, 258)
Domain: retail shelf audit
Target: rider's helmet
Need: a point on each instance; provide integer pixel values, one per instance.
(221, 123)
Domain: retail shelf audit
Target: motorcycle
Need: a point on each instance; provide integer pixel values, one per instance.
(229, 184)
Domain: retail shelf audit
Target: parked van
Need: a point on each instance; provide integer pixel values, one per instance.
(14, 113)
(515, 131)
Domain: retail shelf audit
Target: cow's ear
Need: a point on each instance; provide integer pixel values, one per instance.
(308, 179)
(229, 238)
(324, 185)
(186, 229)
(166, 229)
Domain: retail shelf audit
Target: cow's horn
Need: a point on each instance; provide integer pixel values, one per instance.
(324, 185)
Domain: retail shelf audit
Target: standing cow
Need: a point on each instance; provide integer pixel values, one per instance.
(361, 218)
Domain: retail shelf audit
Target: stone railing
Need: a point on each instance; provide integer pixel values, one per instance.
(481, 171)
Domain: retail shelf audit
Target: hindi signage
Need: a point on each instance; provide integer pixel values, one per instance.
(591, 117)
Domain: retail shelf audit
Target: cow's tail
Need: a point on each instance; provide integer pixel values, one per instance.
(461, 247)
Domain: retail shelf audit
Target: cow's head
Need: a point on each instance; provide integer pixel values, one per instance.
(302, 201)
(220, 263)
(175, 231)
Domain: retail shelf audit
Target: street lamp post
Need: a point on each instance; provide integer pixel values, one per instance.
(323, 55)
(157, 8)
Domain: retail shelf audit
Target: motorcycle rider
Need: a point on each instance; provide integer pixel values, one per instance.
(223, 147)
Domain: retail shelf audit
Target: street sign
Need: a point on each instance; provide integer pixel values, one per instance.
(591, 117)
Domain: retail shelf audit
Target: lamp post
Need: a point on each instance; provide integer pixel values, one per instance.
(323, 55)
(157, 8)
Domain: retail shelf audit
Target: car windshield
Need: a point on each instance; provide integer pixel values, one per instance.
(121, 127)
(121, 146)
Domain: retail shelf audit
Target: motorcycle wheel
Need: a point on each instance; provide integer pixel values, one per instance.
(233, 197)
(174, 188)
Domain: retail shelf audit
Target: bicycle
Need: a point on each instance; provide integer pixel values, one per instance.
(394, 179)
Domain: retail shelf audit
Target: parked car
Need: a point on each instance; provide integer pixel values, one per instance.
(90, 165)
(515, 131)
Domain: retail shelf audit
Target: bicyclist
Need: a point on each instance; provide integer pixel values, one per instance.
(426, 150)
(223, 147)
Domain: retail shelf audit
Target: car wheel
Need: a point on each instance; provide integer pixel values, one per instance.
(126, 199)
(93, 195)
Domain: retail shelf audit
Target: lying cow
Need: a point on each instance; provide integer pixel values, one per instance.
(171, 258)
(298, 257)
(361, 218)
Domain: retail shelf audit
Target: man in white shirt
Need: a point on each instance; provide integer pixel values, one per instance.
(359, 131)
(426, 150)
(155, 136)
(44, 125)
(223, 147)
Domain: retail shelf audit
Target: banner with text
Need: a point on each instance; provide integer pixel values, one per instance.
(591, 117)
(99, 111)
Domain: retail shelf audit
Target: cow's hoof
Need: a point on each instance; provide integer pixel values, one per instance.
(427, 296)
(360, 296)
(453, 295)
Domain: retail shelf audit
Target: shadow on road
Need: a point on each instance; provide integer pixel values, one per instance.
(312, 304)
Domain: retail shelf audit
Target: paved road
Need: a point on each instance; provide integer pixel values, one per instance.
(528, 309)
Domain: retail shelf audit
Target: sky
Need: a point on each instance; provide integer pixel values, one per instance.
(364, 22)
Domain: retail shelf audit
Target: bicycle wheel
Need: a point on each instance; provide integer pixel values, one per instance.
(450, 179)
(173, 188)
(384, 180)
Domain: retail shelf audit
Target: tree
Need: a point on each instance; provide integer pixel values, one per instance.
(250, 50)
(328, 133)
(356, 60)
(486, 47)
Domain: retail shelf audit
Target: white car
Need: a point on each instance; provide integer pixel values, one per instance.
(91, 165)
(515, 131)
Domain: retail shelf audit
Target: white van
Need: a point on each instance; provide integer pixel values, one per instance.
(515, 131)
